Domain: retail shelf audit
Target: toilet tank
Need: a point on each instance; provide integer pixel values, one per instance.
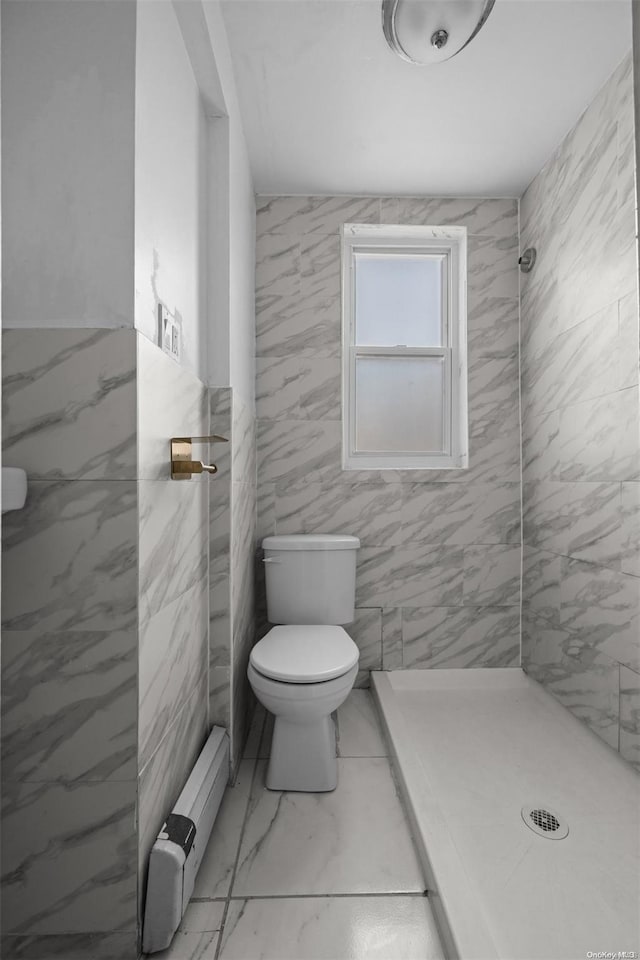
(311, 578)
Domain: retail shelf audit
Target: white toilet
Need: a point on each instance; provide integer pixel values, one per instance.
(303, 670)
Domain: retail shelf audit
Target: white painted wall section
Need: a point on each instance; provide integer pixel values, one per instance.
(67, 158)
(171, 184)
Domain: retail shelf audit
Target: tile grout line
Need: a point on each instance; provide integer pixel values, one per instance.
(316, 896)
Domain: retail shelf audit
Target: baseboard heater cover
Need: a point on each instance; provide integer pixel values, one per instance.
(177, 853)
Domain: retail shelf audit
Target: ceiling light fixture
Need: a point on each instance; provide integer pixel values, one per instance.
(430, 31)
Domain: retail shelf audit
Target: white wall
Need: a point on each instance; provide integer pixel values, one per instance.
(67, 158)
(231, 301)
(171, 184)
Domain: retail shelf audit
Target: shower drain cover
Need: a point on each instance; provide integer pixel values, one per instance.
(545, 822)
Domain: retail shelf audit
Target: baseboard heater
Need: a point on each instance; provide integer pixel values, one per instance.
(177, 853)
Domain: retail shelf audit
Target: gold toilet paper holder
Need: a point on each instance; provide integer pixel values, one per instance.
(182, 464)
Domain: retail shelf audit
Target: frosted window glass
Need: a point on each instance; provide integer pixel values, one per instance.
(399, 404)
(399, 300)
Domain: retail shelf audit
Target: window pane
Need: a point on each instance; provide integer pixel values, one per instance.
(399, 404)
(399, 300)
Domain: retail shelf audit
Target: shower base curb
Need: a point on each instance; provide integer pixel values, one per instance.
(462, 927)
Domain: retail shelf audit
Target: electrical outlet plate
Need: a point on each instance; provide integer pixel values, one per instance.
(170, 333)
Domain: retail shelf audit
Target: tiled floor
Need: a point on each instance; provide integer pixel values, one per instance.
(294, 876)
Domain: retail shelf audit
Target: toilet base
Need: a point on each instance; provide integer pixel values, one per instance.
(303, 756)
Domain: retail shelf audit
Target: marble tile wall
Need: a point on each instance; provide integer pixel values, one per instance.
(581, 422)
(105, 632)
(438, 571)
(232, 548)
(173, 597)
(69, 670)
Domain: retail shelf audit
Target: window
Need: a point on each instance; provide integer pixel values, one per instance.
(404, 393)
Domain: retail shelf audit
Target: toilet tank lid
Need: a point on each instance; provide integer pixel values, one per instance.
(311, 541)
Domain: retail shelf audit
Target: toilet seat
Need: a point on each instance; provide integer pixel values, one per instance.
(305, 653)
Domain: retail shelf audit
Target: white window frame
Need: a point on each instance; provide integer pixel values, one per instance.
(451, 244)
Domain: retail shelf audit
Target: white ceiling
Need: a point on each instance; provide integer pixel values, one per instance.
(328, 108)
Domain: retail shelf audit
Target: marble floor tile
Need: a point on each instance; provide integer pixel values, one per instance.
(353, 840)
(216, 869)
(197, 935)
(359, 731)
(331, 928)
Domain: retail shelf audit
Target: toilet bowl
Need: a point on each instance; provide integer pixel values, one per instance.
(305, 667)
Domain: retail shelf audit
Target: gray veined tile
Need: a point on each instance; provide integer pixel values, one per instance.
(491, 575)
(630, 716)
(173, 541)
(587, 361)
(586, 685)
(412, 576)
(243, 442)
(216, 869)
(600, 608)
(493, 388)
(162, 779)
(173, 657)
(220, 696)
(628, 335)
(541, 574)
(598, 439)
(494, 449)
(294, 388)
(370, 511)
(631, 529)
(488, 217)
(391, 639)
(492, 267)
(69, 403)
(352, 840)
(351, 928)
(582, 520)
(458, 513)
(284, 328)
(366, 633)
(295, 216)
(461, 637)
(266, 507)
(543, 644)
(492, 326)
(69, 857)
(320, 268)
(69, 705)
(277, 265)
(359, 731)
(540, 445)
(297, 450)
(70, 557)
